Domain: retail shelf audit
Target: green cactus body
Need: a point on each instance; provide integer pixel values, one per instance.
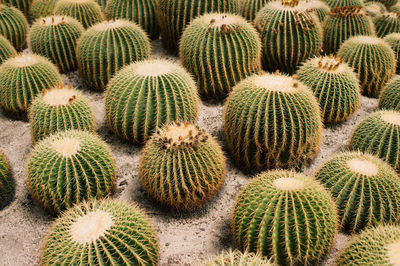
(148, 94)
(366, 190)
(13, 25)
(389, 99)
(372, 59)
(6, 182)
(82, 167)
(290, 34)
(219, 50)
(102, 4)
(250, 8)
(107, 47)
(272, 121)
(182, 166)
(142, 12)
(375, 9)
(59, 109)
(42, 8)
(344, 23)
(22, 5)
(87, 12)
(335, 85)
(236, 258)
(21, 79)
(375, 246)
(285, 215)
(56, 38)
(6, 49)
(321, 9)
(378, 134)
(393, 40)
(174, 15)
(101, 233)
(387, 23)
(344, 3)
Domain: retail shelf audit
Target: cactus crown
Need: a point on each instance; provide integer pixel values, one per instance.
(276, 83)
(347, 11)
(291, 3)
(391, 117)
(66, 147)
(23, 60)
(222, 22)
(154, 68)
(289, 184)
(363, 167)
(393, 253)
(54, 20)
(62, 95)
(111, 24)
(331, 64)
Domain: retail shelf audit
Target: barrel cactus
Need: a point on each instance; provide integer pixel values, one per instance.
(250, 8)
(87, 12)
(59, 109)
(320, 8)
(6, 182)
(376, 246)
(365, 188)
(142, 12)
(174, 15)
(389, 98)
(6, 49)
(373, 60)
(21, 78)
(108, 46)
(56, 37)
(387, 23)
(226, 59)
(99, 233)
(272, 121)
(375, 8)
(236, 258)
(22, 5)
(42, 8)
(335, 85)
(290, 34)
(285, 215)
(393, 40)
(387, 3)
(13, 25)
(182, 166)
(345, 3)
(160, 92)
(378, 134)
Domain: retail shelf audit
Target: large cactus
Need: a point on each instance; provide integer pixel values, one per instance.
(387, 23)
(13, 25)
(6, 182)
(236, 258)
(393, 40)
(87, 12)
(42, 8)
(6, 49)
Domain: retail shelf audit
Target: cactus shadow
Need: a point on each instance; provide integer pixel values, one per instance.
(7, 197)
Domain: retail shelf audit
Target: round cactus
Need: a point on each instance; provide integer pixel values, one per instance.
(160, 92)
(59, 109)
(387, 23)
(389, 98)
(236, 258)
(87, 12)
(345, 3)
(393, 40)
(182, 166)
(272, 121)
(6, 182)
(285, 215)
(21, 79)
(142, 12)
(344, 23)
(6, 49)
(387, 3)
(101, 232)
(56, 38)
(290, 34)
(376, 246)
(42, 8)
(335, 85)
(13, 25)
(321, 9)
(378, 134)
(108, 46)
(82, 168)
(174, 15)
(373, 60)
(250, 8)
(375, 8)
(366, 190)
(22, 5)
(226, 59)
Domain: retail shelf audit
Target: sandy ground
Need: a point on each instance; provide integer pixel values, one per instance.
(185, 238)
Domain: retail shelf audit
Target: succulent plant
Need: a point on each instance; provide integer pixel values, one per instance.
(56, 37)
(107, 47)
(365, 188)
(13, 25)
(344, 23)
(387, 3)
(87, 12)
(250, 8)
(59, 109)
(148, 94)
(285, 215)
(387, 23)
(23, 77)
(335, 85)
(82, 167)
(393, 40)
(378, 134)
(389, 98)
(22, 5)
(42, 8)
(101, 232)
(142, 12)
(6, 182)
(174, 15)
(375, 246)
(236, 258)
(272, 121)
(320, 8)
(6, 49)
(375, 8)
(372, 59)
(344, 3)
(182, 166)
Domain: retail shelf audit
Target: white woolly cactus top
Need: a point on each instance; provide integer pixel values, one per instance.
(313, 4)
(222, 21)
(155, 68)
(363, 166)
(289, 184)
(368, 40)
(391, 117)
(393, 253)
(23, 60)
(181, 135)
(55, 20)
(331, 64)
(62, 95)
(66, 147)
(373, 7)
(276, 82)
(111, 24)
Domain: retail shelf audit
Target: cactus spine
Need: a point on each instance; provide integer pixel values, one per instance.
(56, 38)
(250, 8)
(236, 258)
(101, 232)
(6, 182)
(387, 23)
(321, 9)
(42, 8)
(375, 9)
(393, 40)
(87, 12)
(13, 25)
(6, 49)
(389, 99)
(22, 5)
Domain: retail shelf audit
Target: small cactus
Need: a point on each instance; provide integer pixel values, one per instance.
(23, 77)
(101, 233)
(142, 12)
(344, 3)
(6, 49)
(22, 5)
(182, 166)
(59, 109)
(372, 59)
(236, 258)
(42, 8)
(393, 40)
(366, 190)
(87, 12)
(285, 215)
(161, 92)
(335, 85)
(389, 98)
(107, 47)
(378, 134)
(82, 168)
(375, 246)
(387, 23)
(56, 37)
(250, 8)
(320, 8)
(6, 182)
(13, 25)
(375, 9)
(272, 121)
